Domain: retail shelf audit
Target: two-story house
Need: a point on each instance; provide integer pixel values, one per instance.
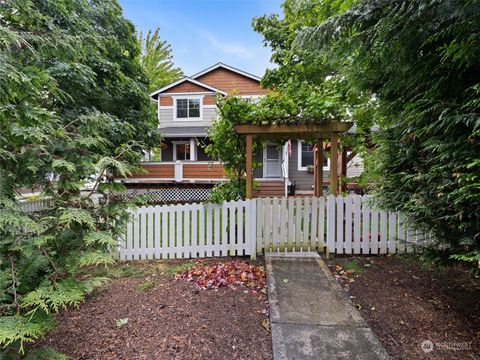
(179, 170)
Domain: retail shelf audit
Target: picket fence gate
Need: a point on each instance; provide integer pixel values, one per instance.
(331, 224)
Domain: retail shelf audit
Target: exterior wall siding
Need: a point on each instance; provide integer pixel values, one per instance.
(302, 179)
(168, 100)
(228, 81)
(355, 167)
(187, 86)
(209, 114)
(209, 100)
(166, 118)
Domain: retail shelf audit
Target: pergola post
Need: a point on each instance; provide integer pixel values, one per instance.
(343, 170)
(319, 169)
(334, 164)
(249, 166)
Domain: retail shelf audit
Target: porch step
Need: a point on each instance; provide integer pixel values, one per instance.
(269, 189)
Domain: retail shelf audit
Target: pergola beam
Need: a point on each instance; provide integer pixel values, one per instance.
(293, 135)
(294, 129)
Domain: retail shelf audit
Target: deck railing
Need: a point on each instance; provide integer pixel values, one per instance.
(181, 171)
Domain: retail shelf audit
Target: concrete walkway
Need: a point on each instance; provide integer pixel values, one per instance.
(310, 314)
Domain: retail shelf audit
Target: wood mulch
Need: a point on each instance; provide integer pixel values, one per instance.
(164, 318)
(407, 305)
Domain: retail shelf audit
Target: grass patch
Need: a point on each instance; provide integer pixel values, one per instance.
(177, 269)
(119, 270)
(145, 286)
(355, 267)
(139, 269)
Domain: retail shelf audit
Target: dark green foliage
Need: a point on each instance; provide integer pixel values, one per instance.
(74, 107)
(310, 85)
(421, 61)
(229, 146)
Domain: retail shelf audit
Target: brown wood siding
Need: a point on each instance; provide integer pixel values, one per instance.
(229, 81)
(165, 100)
(203, 171)
(209, 100)
(269, 189)
(186, 87)
(168, 100)
(157, 171)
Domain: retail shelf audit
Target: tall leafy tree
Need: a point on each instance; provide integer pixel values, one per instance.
(412, 68)
(420, 60)
(74, 107)
(157, 60)
(311, 79)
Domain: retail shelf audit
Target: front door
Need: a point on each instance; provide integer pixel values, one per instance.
(272, 161)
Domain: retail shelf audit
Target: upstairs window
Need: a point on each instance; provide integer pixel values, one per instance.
(188, 108)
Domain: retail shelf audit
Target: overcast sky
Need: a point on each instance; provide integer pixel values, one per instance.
(203, 33)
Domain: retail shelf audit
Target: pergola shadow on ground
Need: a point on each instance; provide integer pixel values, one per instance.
(311, 132)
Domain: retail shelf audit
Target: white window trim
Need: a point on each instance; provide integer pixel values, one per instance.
(264, 167)
(252, 97)
(193, 149)
(299, 157)
(188, 97)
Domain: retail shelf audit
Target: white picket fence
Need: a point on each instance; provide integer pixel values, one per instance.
(190, 231)
(341, 225)
(332, 224)
(35, 205)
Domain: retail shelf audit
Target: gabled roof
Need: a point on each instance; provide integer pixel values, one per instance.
(228, 67)
(189, 79)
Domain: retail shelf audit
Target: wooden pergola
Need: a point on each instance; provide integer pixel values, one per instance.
(318, 132)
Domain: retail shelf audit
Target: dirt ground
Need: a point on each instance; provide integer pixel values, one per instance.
(157, 317)
(409, 307)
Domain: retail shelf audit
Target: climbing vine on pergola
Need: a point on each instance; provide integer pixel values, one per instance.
(311, 115)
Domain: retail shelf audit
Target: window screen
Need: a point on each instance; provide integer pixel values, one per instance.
(193, 108)
(182, 108)
(307, 155)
